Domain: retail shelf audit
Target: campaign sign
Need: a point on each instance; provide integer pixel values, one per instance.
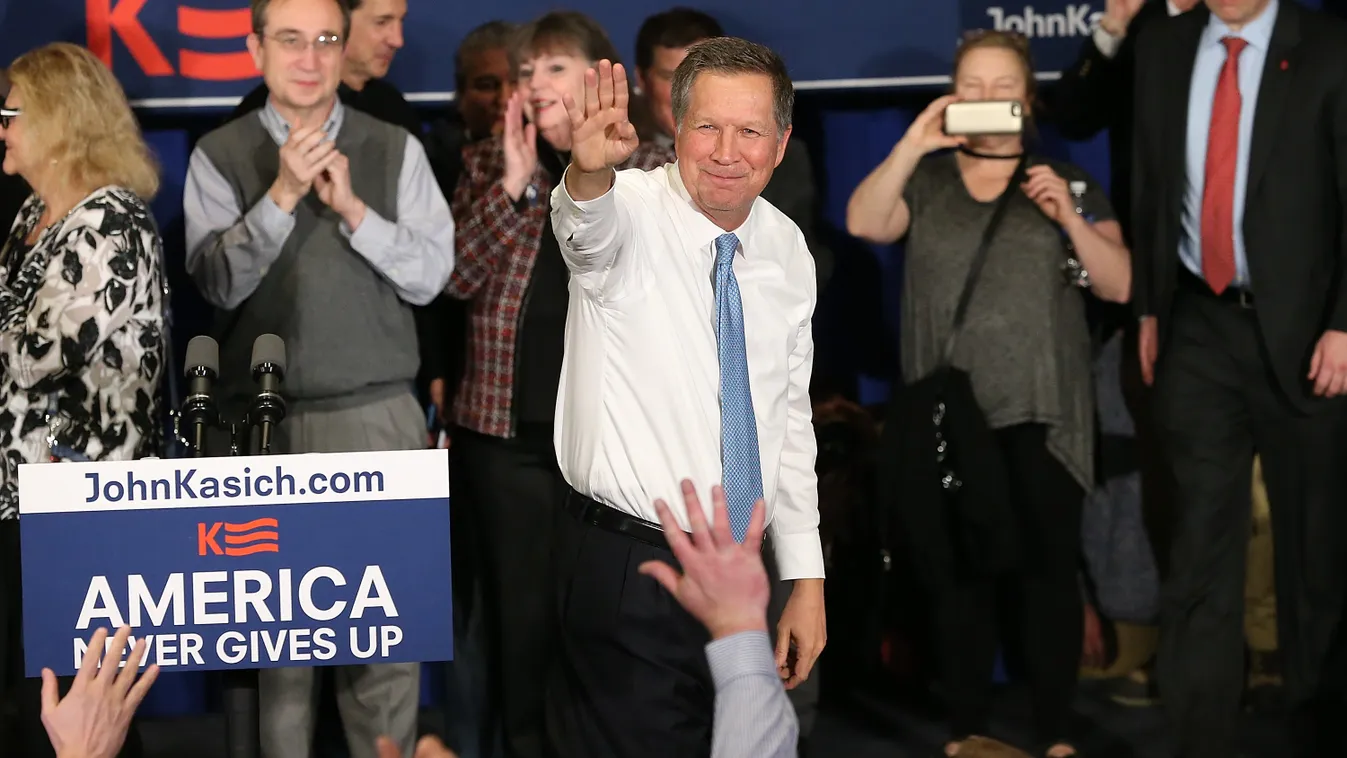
(248, 562)
(193, 53)
(1056, 29)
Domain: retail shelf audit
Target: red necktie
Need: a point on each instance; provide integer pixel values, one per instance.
(1218, 191)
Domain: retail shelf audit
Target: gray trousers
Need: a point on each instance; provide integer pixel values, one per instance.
(374, 700)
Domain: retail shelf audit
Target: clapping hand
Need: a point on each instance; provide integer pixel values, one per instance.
(91, 721)
(334, 189)
(602, 137)
(306, 153)
(519, 141)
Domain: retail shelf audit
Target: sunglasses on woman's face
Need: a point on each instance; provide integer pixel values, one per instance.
(7, 116)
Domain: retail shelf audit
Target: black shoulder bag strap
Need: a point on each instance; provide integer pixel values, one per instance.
(980, 258)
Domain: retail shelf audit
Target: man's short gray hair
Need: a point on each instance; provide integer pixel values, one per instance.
(731, 55)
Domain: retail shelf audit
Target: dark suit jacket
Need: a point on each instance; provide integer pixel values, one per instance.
(1294, 215)
(1095, 94)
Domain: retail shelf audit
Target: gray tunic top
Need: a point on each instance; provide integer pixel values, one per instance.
(1025, 343)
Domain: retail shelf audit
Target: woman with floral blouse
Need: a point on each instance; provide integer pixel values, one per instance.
(81, 304)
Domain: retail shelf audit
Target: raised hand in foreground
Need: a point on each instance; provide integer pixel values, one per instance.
(91, 721)
(723, 584)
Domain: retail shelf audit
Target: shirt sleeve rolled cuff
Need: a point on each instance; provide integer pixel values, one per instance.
(799, 555)
(1107, 43)
(574, 210)
(740, 655)
(375, 235)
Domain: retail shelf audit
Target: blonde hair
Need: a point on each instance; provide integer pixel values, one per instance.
(78, 118)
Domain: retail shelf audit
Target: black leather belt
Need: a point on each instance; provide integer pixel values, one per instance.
(1190, 282)
(590, 511)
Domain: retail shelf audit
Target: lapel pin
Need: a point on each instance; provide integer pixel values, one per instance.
(1285, 65)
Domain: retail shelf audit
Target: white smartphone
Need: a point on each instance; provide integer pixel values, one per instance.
(984, 117)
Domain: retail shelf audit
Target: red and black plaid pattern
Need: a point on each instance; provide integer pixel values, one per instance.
(496, 243)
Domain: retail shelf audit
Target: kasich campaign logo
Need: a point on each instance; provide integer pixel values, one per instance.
(257, 536)
(151, 32)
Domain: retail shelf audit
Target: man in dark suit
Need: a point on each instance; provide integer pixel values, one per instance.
(1240, 279)
(1095, 93)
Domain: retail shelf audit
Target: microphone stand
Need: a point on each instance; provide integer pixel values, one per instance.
(243, 735)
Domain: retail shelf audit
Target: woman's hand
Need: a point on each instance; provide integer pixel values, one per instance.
(520, 142)
(927, 133)
(1051, 193)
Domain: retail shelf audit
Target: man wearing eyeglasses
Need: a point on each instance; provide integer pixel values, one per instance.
(373, 39)
(323, 225)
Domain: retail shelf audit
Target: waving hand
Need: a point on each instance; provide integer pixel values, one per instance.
(601, 136)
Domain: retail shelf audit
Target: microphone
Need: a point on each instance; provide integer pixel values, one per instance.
(201, 366)
(268, 407)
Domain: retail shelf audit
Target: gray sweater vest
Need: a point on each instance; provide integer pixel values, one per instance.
(349, 338)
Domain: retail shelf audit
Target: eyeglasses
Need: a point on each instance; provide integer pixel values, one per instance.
(294, 43)
(7, 115)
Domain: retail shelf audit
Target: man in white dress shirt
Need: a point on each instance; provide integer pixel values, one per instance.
(688, 355)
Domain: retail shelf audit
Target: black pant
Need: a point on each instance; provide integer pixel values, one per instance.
(1047, 503)
(21, 727)
(1216, 404)
(514, 490)
(631, 679)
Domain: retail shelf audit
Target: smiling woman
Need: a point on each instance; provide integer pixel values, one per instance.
(511, 271)
(81, 297)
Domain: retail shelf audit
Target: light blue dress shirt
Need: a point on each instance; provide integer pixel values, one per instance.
(754, 717)
(1211, 54)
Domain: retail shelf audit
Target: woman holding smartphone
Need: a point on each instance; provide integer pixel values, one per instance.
(1026, 348)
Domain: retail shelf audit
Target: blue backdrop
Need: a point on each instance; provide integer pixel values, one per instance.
(190, 53)
(900, 49)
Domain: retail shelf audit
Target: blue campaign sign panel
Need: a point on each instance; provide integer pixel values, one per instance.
(192, 53)
(253, 562)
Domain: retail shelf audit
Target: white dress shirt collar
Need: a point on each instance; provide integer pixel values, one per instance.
(706, 228)
(1258, 33)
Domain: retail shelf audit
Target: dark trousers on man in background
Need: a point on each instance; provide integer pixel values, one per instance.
(1216, 403)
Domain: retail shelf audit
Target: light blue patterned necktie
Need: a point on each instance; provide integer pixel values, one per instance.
(738, 426)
